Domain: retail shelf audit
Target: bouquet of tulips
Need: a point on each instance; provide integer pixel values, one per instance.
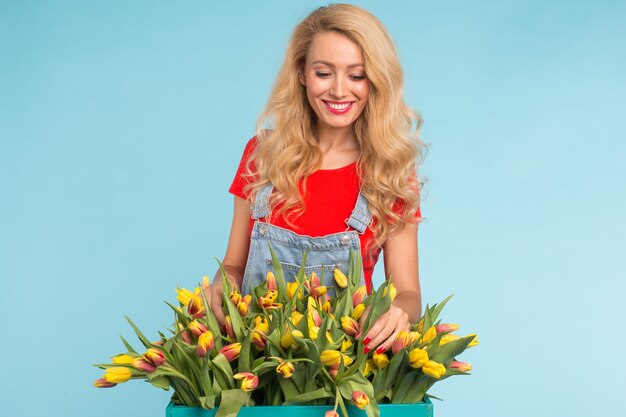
(291, 342)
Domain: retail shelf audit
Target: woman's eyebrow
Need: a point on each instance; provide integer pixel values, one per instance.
(319, 61)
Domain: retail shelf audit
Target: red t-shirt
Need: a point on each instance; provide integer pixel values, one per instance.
(336, 188)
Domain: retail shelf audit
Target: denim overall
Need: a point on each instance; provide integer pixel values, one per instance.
(324, 252)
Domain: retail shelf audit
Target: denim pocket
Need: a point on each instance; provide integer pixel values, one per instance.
(290, 271)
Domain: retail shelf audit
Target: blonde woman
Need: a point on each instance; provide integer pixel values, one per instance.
(332, 167)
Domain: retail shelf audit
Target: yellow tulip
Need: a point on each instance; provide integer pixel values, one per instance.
(205, 282)
(414, 336)
(184, 295)
(340, 278)
(434, 369)
(474, 341)
(360, 399)
(249, 380)
(326, 307)
(197, 328)
(313, 332)
(430, 334)
(347, 360)
(117, 374)
(296, 317)
(447, 338)
(228, 325)
(345, 345)
(358, 311)
(330, 357)
(122, 359)
(235, 297)
(292, 287)
(417, 358)
(286, 369)
(370, 367)
(381, 360)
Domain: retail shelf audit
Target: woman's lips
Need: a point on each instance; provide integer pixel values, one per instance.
(343, 108)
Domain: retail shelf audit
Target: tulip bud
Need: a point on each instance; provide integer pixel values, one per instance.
(314, 318)
(287, 340)
(417, 358)
(235, 297)
(184, 334)
(117, 374)
(103, 383)
(330, 357)
(205, 282)
(326, 307)
(349, 325)
(244, 305)
(340, 278)
(461, 366)
(331, 413)
(430, 334)
(381, 360)
(197, 328)
(228, 324)
(414, 336)
(249, 380)
(360, 399)
(154, 356)
(474, 341)
(357, 312)
(447, 338)
(205, 343)
(347, 360)
(259, 340)
(359, 295)
(196, 307)
(446, 328)
(313, 332)
(144, 365)
(270, 280)
(434, 369)
(402, 341)
(296, 317)
(122, 359)
(286, 369)
(370, 367)
(231, 351)
(292, 287)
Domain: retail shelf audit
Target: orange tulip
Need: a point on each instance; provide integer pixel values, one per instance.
(270, 281)
(230, 330)
(206, 342)
(231, 351)
(197, 328)
(359, 295)
(103, 383)
(446, 327)
(196, 308)
(360, 399)
(402, 341)
(461, 366)
(349, 325)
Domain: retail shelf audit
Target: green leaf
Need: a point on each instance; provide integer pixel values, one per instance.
(244, 354)
(438, 307)
(222, 365)
(280, 277)
(128, 346)
(288, 387)
(140, 335)
(403, 388)
(451, 349)
(159, 381)
(309, 396)
(231, 403)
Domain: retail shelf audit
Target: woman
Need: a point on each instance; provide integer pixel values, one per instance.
(336, 171)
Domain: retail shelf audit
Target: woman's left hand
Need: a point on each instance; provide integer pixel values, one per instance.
(383, 332)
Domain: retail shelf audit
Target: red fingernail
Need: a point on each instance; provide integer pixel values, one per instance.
(366, 349)
(381, 350)
(367, 340)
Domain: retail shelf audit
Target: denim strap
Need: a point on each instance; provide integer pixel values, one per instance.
(361, 216)
(261, 206)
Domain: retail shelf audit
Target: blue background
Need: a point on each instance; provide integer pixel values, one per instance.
(122, 123)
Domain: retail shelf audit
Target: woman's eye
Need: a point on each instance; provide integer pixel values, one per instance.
(322, 74)
(358, 77)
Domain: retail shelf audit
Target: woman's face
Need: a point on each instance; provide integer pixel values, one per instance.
(334, 76)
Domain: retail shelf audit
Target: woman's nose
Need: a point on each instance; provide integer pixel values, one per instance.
(337, 90)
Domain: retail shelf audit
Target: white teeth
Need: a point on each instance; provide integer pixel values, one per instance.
(338, 106)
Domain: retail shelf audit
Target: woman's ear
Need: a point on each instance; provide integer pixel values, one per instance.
(301, 76)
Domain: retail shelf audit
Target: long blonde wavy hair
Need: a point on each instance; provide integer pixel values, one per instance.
(387, 131)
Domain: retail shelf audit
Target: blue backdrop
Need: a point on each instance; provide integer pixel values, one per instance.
(122, 123)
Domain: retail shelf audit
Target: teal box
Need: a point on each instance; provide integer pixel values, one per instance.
(424, 409)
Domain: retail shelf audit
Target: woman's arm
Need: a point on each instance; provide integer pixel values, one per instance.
(234, 261)
(401, 265)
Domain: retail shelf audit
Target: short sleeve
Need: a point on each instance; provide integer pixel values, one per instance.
(236, 188)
